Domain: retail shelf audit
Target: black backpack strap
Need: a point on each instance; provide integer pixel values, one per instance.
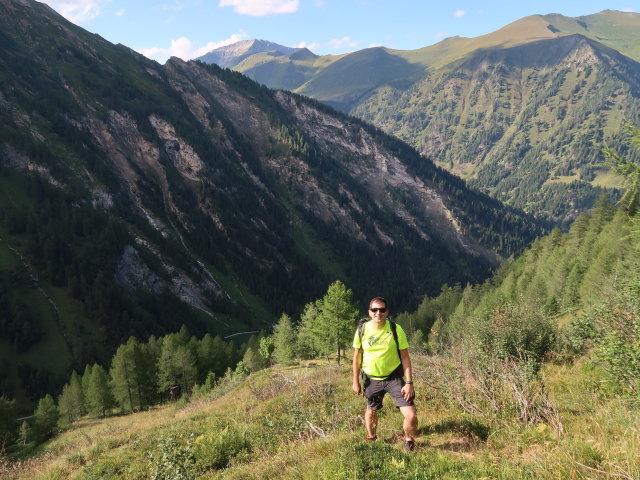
(360, 333)
(392, 326)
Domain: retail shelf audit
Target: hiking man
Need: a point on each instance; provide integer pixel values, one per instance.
(381, 350)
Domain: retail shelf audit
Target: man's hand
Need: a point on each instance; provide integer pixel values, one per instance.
(408, 392)
(357, 389)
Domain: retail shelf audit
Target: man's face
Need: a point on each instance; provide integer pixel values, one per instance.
(378, 311)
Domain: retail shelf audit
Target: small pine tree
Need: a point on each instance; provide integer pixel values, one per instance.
(46, 417)
(284, 340)
(24, 434)
(266, 349)
(338, 315)
(98, 395)
(310, 339)
(131, 376)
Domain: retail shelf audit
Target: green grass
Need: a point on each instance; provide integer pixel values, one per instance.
(303, 422)
(608, 179)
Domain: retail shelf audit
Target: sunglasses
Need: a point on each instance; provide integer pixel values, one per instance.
(381, 310)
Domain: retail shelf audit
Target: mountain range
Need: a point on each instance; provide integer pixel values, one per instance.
(521, 113)
(137, 197)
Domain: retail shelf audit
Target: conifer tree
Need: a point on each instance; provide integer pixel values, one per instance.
(46, 417)
(266, 349)
(71, 401)
(24, 434)
(176, 365)
(337, 314)
(86, 378)
(98, 394)
(630, 200)
(7, 421)
(66, 407)
(166, 370)
(131, 376)
(211, 353)
(284, 340)
(184, 364)
(253, 360)
(310, 342)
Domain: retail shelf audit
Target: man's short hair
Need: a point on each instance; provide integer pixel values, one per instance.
(378, 300)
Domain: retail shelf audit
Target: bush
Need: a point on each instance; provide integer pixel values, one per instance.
(513, 330)
(618, 350)
(216, 450)
(580, 335)
(505, 390)
(173, 458)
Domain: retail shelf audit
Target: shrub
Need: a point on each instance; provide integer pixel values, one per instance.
(173, 458)
(580, 335)
(497, 389)
(217, 449)
(513, 330)
(618, 350)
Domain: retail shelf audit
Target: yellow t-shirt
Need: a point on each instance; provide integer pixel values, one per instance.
(380, 355)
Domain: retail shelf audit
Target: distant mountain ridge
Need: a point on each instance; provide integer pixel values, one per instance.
(394, 90)
(231, 55)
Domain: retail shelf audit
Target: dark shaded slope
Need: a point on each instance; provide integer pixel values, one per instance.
(137, 197)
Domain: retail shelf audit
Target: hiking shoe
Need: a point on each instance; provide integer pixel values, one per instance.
(372, 439)
(408, 445)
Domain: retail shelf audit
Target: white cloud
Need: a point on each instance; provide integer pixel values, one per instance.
(343, 42)
(120, 13)
(77, 10)
(441, 34)
(628, 9)
(310, 46)
(459, 13)
(185, 49)
(261, 8)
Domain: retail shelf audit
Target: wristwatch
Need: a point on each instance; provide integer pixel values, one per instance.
(409, 383)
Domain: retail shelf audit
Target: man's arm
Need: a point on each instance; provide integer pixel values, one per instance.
(356, 371)
(407, 391)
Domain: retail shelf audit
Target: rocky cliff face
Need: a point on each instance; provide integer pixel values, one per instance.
(521, 112)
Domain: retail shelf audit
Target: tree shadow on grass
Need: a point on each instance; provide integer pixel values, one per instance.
(463, 435)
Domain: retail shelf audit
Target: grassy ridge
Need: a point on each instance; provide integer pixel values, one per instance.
(520, 112)
(303, 422)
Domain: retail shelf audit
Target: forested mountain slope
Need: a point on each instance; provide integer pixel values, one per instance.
(137, 197)
(526, 123)
(520, 112)
(564, 280)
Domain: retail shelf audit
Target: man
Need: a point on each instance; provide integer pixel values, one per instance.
(383, 371)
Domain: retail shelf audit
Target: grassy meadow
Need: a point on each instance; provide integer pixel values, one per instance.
(302, 421)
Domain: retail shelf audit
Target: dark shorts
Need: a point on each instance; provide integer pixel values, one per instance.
(374, 391)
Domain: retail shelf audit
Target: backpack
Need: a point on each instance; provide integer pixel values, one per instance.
(392, 327)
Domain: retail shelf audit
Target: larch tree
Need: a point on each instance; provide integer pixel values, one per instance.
(284, 340)
(338, 314)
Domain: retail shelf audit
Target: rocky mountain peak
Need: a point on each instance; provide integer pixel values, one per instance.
(231, 55)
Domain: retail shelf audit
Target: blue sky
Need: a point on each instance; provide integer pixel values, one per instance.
(190, 28)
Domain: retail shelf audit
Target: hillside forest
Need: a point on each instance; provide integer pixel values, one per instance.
(528, 358)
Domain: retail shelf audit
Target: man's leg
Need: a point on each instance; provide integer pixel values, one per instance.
(410, 423)
(371, 422)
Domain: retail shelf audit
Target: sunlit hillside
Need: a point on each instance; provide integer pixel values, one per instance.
(303, 422)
